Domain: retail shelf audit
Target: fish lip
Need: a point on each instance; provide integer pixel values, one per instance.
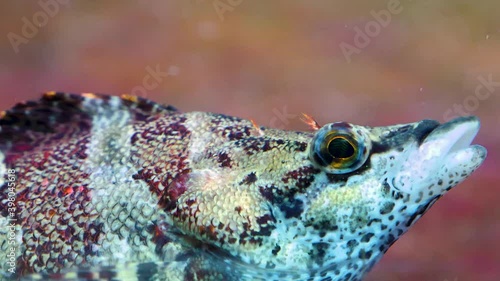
(445, 155)
(453, 136)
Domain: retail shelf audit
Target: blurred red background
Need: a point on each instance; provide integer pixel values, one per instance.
(270, 61)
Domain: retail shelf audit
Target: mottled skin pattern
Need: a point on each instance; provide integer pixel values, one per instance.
(124, 188)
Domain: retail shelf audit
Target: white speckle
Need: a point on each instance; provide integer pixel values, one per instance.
(421, 89)
(125, 248)
(487, 36)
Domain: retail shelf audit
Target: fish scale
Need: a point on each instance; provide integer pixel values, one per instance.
(123, 188)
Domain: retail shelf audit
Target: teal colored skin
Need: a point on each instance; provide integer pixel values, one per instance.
(125, 187)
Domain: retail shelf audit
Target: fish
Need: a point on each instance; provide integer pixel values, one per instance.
(107, 187)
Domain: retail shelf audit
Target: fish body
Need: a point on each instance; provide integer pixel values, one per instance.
(92, 183)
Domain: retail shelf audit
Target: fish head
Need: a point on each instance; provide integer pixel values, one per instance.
(376, 182)
(322, 205)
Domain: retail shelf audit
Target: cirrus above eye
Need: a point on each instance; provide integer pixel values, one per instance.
(339, 148)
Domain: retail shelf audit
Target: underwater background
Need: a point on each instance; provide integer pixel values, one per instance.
(366, 62)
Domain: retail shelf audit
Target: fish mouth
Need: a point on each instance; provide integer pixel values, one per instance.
(454, 136)
(444, 158)
(447, 152)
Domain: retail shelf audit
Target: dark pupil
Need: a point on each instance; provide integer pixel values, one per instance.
(340, 148)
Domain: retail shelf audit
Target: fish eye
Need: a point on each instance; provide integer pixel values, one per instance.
(339, 148)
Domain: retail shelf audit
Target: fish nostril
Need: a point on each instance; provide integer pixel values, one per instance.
(424, 129)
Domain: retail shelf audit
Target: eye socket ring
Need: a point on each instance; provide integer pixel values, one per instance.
(340, 148)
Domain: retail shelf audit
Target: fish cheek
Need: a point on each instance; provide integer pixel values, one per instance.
(341, 209)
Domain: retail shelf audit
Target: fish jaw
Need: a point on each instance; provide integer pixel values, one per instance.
(444, 158)
(429, 160)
